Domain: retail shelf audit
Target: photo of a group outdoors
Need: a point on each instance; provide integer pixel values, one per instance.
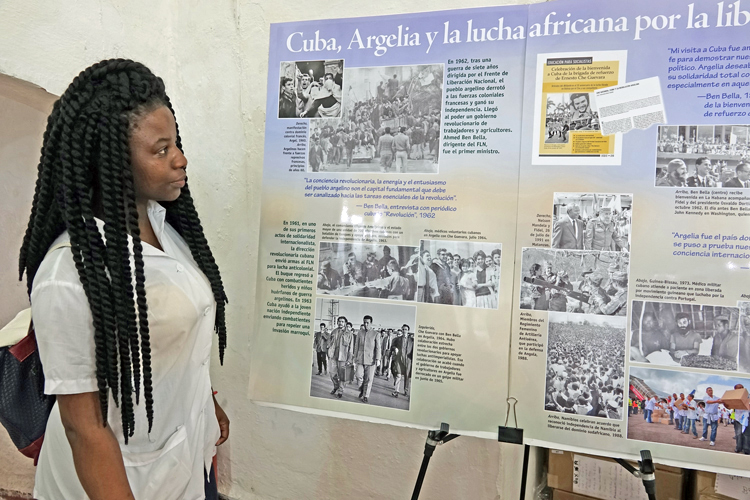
(703, 156)
(567, 112)
(390, 122)
(691, 408)
(362, 352)
(459, 273)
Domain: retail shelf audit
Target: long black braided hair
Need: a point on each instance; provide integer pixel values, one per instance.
(85, 171)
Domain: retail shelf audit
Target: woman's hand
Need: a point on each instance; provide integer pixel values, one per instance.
(223, 422)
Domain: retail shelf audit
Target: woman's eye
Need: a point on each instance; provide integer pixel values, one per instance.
(163, 150)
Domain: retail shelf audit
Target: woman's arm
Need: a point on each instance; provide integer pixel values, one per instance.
(96, 452)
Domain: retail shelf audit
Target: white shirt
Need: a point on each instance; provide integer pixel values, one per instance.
(691, 413)
(167, 464)
(650, 404)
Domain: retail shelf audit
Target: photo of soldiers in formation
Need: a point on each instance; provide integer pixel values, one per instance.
(575, 281)
(568, 112)
(390, 123)
(703, 156)
(692, 335)
(592, 221)
(311, 89)
(688, 409)
(365, 270)
(458, 273)
(585, 365)
(363, 358)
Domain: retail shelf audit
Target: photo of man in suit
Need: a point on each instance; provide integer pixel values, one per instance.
(568, 230)
(743, 177)
(702, 177)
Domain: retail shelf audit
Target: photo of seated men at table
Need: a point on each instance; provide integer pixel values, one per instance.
(363, 352)
(365, 270)
(311, 89)
(672, 334)
(703, 156)
(458, 273)
(576, 281)
(592, 221)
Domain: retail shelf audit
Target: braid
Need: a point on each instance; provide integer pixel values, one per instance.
(85, 171)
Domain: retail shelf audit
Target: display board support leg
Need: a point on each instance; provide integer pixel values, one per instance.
(434, 438)
(645, 472)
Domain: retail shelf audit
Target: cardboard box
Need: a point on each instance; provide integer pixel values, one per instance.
(736, 399)
(669, 480)
(567, 495)
(705, 487)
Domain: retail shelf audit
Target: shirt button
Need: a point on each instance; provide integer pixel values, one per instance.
(180, 268)
(207, 311)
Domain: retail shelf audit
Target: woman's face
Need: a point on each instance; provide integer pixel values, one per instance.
(496, 259)
(488, 261)
(158, 164)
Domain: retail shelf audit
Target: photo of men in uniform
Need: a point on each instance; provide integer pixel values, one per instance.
(458, 273)
(592, 221)
(369, 351)
(703, 156)
(674, 334)
(575, 281)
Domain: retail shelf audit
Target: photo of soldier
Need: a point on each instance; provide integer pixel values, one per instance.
(575, 281)
(592, 221)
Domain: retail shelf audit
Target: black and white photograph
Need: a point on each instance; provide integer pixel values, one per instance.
(585, 365)
(575, 281)
(458, 273)
(686, 408)
(390, 123)
(744, 355)
(690, 335)
(363, 352)
(703, 156)
(592, 221)
(366, 270)
(566, 112)
(311, 89)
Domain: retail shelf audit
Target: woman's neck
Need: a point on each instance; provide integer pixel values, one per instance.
(144, 225)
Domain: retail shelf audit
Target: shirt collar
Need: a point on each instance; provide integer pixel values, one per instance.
(157, 215)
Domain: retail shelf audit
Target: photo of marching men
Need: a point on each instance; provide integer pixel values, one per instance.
(311, 89)
(390, 122)
(458, 273)
(575, 281)
(699, 410)
(366, 270)
(692, 335)
(703, 156)
(592, 221)
(363, 352)
(566, 112)
(585, 365)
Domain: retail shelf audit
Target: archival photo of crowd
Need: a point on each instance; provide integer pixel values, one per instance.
(567, 112)
(367, 270)
(575, 281)
(458, 273)
(592, 221)
(698, 410)
(703, 156)
(363, 352)
(689, 335)
(585, 365)
(390, 123)
(311, 89)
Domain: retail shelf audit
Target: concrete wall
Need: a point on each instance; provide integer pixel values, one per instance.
(213, 57)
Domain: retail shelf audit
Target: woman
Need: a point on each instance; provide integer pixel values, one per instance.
(125, 294)
(484, 292)
(467, 285)
(493, 275)
(287, 99)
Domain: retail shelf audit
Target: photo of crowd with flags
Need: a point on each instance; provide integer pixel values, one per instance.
(690, 335)
(585, 365)
(689, 409)
(568, 112)
(703, 156)
(363, 352)
(390, 122)
(575, 281)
